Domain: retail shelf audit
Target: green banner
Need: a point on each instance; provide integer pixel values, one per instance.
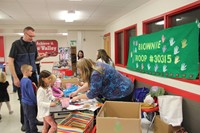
(173, 52)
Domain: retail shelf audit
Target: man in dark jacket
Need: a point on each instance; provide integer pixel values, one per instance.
(23, 51)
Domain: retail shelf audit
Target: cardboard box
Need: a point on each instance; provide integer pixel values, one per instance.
(69, 80)
(162, 127)
(119, 117)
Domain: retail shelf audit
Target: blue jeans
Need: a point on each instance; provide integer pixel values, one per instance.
(30, 118)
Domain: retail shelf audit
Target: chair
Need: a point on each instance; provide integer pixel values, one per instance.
(151, 110)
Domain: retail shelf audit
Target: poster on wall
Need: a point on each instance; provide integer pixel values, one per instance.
(172, 52)
(49, 47)
(65, 57)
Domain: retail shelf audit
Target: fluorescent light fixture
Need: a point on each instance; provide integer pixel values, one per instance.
(3, 15)
(64, 34)
(21, 34)
(160, 23)
(71, 16)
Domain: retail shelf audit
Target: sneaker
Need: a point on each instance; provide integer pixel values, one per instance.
(23, 129)
(11, 112)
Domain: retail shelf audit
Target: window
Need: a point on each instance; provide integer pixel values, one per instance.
(119, 48)
(184, 15)
(129, 32)
(153, 25)
(122, 44)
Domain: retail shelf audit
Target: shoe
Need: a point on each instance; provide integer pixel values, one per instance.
(39, 123)
(11, 112)
(0, 116)
(23, 129)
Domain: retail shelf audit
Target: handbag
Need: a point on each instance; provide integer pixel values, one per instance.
(170, 108)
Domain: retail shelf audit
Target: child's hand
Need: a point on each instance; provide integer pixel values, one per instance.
(53, 104)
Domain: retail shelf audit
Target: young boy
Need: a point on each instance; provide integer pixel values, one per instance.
(29, 103)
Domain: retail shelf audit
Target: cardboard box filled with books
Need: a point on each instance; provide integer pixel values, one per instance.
(120, 117)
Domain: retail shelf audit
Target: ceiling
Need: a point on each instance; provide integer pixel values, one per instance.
(46, 13)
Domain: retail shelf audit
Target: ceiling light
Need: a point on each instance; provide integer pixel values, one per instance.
(21, 34)
(64, 34)
(71, 15)
(3, 15)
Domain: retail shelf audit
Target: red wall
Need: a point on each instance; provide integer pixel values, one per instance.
(2, 48)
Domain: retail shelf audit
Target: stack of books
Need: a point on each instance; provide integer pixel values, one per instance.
(76, 122)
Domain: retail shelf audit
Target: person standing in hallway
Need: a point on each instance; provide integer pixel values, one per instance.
(80, 54)
(4, 97)
(23, 51)
(102, 56)
(29, 102)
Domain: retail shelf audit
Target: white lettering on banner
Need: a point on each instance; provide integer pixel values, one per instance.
(44, 43)
(141, 58)
(48, 48)
(149, 46)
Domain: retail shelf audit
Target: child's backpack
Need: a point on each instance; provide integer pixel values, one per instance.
(139, 94)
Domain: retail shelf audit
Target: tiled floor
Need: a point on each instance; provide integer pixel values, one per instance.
(11, 123)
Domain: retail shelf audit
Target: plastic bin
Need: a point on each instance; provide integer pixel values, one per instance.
(66, 72)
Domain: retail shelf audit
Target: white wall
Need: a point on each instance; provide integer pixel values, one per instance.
(151, 9)
(88, 41)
